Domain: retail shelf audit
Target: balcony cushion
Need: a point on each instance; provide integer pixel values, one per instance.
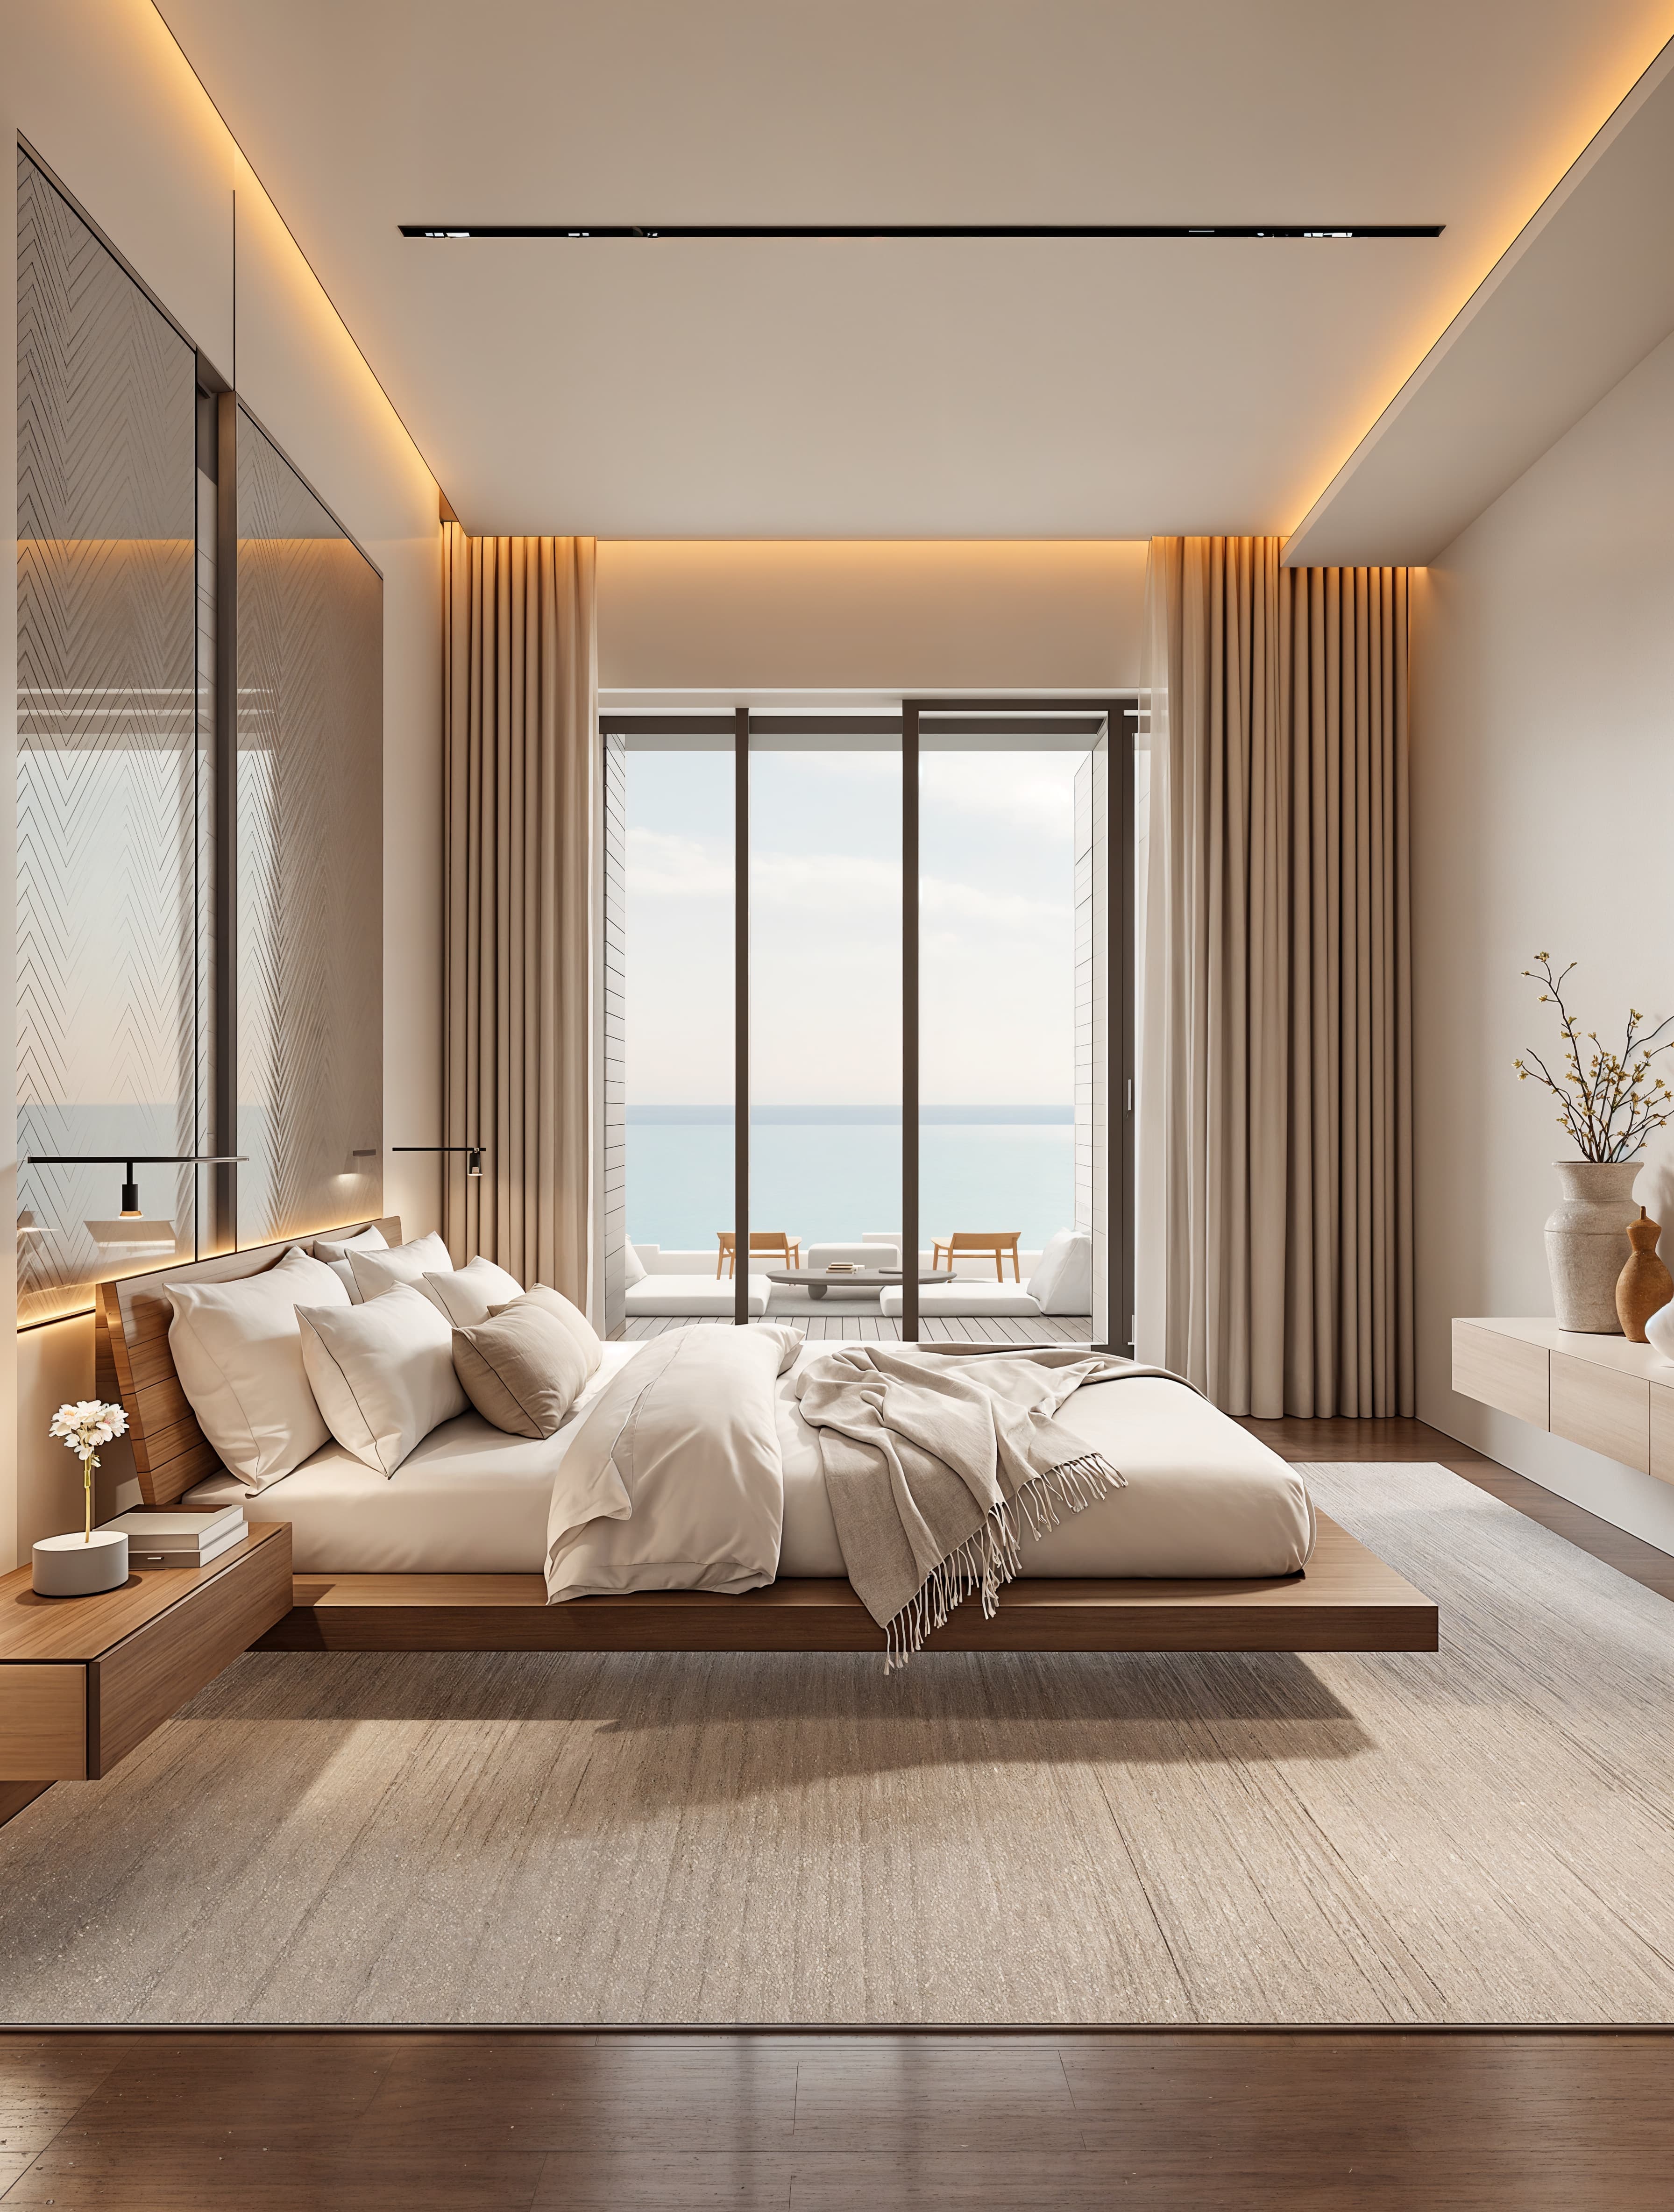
(872, 1255)
(1003, 1301)
(691, 1295)
(1062, 1280)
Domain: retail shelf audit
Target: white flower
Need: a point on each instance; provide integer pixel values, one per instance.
(87, 1423)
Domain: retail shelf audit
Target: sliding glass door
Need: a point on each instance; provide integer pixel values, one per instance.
(669, 955)
(875, 1008)
(824, 1044)
(1010, 1118)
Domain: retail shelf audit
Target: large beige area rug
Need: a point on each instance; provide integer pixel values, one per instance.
(1487, 1834)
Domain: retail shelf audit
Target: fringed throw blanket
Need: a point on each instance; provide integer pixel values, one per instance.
(935, 1466)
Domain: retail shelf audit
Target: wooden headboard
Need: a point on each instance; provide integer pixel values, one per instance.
(132, 1359)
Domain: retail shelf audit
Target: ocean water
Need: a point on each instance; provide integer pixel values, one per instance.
(827, 1181)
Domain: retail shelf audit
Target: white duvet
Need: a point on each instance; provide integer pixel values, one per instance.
(674, 1481)
(696, 1470)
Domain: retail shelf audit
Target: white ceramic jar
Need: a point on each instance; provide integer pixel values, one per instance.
(1587, 1241)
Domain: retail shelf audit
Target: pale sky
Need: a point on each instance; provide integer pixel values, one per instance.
(997, 941)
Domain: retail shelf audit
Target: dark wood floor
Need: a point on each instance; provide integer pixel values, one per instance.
(1324, 2122)
(1375, 1440)
(831, 2123)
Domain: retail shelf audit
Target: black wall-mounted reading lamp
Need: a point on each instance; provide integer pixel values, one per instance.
(473, 1164)
(129, 1162)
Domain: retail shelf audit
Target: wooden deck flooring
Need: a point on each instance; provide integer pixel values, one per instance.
(875, 1329)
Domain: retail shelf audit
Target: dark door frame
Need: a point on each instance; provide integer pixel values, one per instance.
(1120, 713)
(947, 717)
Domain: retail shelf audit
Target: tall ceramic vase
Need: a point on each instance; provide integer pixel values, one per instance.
(1587, 1241)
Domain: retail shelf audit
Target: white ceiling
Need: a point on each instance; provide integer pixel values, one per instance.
(749, 389)
(1586, 292)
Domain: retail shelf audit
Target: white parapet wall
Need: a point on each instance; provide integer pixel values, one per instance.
(657, 1262)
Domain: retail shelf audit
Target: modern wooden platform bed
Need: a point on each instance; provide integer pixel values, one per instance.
(1344, 1599)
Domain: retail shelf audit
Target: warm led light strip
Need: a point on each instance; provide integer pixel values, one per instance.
(924, 230)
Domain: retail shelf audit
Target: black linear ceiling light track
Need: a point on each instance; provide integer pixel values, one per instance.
(922, 230)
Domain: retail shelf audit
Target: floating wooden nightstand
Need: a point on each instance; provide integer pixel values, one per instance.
(84, 1679)
(1614, 1397)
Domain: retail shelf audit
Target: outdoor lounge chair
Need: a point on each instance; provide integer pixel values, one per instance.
(965, 1242)
(761, 1240)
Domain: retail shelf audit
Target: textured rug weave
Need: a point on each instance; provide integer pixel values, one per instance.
(1485, 1834)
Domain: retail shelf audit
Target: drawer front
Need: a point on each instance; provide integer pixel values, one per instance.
(43, 1723)
(1662, 1431)
(1500, 1370)
(150, 1675)
(1607, 1412)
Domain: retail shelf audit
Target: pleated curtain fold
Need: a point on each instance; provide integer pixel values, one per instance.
(520, 687)
(1275, 1199)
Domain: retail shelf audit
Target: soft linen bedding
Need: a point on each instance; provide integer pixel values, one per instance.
(1202, 1498)
(673, 1482)
(940, 1470)
(469, 1500)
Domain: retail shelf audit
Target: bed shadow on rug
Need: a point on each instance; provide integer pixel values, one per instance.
(620, 1692)
(706, 1729)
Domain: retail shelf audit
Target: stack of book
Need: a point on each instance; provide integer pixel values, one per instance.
(179, 1540)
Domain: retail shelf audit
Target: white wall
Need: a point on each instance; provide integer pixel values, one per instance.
(102, 94)
(961, 617)
(1543, 821)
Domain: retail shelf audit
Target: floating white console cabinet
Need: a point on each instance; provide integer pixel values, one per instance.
(1614, 1397)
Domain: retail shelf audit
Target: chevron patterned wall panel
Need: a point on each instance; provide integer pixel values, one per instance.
(111, 876)
(310, 858)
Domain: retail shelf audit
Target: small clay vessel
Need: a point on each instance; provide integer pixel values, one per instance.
(1645, 1286)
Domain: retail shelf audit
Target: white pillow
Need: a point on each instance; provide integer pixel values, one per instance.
(333, 1250)
(633, 1267)
(573, 1318)
(378, 1271)
(1062, 1282)
(345, 1275)
(382, 1372)
(467, 1295)
(238, 1352)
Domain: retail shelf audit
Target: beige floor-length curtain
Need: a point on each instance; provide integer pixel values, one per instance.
(520, 688)
(1275, 1193)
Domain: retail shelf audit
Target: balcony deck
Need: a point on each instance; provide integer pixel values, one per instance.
(874, 1328)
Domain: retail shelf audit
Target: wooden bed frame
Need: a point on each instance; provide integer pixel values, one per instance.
(1345, 1601)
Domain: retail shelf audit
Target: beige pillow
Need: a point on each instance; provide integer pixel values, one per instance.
(472, 1294)
(238, 1353)
(556, 1303)
(378, 1271)
(334, 1252)
(522, 1368)
(382, 1373)
(329, 1248)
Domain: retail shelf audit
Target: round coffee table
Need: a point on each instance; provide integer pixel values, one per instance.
(816, 1282)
